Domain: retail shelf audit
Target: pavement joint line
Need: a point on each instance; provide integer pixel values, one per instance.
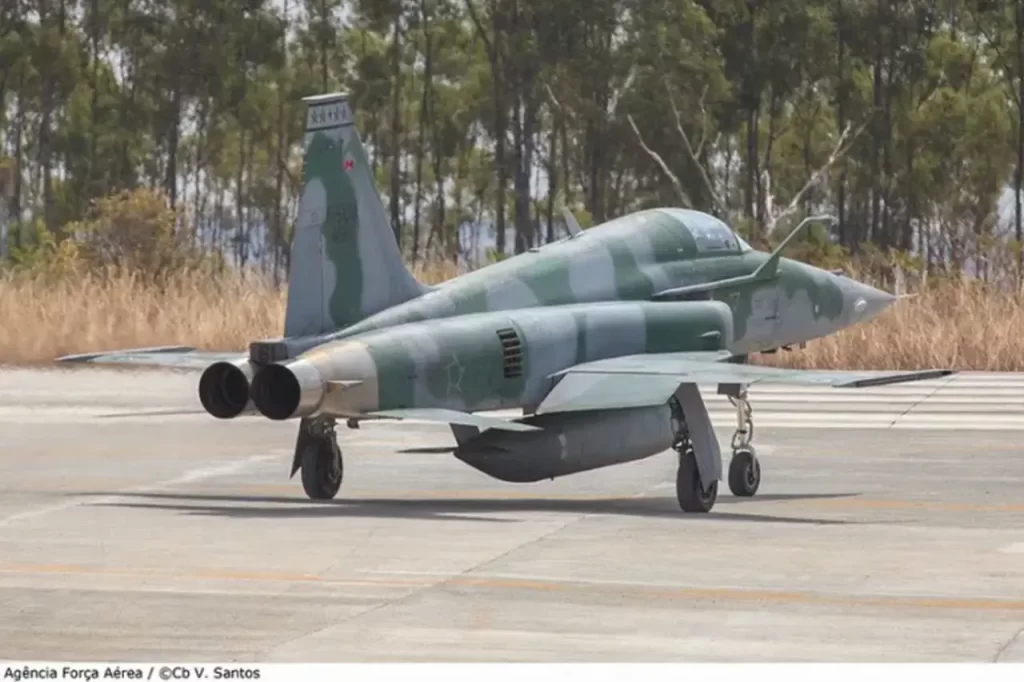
(1007, 644)
(465, 574)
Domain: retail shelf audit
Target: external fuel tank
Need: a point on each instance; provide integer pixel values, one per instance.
(571, 442)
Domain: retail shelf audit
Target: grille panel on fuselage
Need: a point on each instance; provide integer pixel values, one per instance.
(512, 353)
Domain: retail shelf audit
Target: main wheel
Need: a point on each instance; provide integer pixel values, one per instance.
(689, 490)
(322, 468)
(744, 473)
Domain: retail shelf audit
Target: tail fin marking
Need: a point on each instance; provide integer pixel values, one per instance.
(345, 262)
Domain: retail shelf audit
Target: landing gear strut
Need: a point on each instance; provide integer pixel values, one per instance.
(692, 494)
(318, 456)
(699, 457)
(744, 469)
(690, 490)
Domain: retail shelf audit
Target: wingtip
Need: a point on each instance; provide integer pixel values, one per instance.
(89, 357)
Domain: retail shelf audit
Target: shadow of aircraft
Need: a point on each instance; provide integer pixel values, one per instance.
(440, 508)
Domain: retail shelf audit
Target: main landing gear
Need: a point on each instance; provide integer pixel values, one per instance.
(318, 456)
(744, 468)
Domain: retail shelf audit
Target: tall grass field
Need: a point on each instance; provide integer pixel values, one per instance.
(952, 323)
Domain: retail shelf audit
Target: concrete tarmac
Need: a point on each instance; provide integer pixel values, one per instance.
(134, 528)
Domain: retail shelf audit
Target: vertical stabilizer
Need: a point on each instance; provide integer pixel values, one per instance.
(345, 262)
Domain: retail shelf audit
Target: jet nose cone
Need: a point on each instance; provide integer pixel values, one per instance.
(863, 302)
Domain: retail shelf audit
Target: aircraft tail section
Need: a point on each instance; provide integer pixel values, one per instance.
(345, 262)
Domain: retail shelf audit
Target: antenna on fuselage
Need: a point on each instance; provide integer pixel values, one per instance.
(570, 223)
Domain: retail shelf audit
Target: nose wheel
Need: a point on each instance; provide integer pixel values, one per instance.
(318, 456)
(744, 469)
(744, 473)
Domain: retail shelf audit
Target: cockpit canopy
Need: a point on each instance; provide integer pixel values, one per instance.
(710, 233)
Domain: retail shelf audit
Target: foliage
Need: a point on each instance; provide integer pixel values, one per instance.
(901, 117)
(132, 231)
(40, 252)
(136, 231)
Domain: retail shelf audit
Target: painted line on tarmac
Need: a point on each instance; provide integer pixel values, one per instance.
(192, 476)
(526, 583)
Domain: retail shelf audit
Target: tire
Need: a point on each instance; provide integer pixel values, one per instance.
(689, 491)
(744, 473)
(322, 469)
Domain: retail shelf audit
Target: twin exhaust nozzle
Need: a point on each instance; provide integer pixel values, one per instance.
(232, 389)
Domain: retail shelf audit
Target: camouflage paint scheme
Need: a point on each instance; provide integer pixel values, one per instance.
(458, 363)
(356, 315)
(591, 336)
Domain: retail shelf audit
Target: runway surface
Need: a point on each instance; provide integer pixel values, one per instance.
(889, 527)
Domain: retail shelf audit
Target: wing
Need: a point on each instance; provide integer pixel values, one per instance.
(177, 357)
(642, 380)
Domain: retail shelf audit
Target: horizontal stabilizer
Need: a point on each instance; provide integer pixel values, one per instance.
(453, 417)
(177, 357)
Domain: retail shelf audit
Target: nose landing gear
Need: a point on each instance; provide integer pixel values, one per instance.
(744, 469)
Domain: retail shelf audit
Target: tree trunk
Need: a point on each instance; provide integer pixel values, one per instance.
(14, 214)
(766, 167)
(566, 162)
(421, 133)
(240, 197)
(279, 161)
(1019, 171)
(94, 39)
(323, 28)
(171, 180)
(552, 177)
(396, 124)
(877, 126)
(841, 93)
(753, 180)
(500, 130)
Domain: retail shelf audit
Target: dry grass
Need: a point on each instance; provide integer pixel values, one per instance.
(44, 317)
(947, 325)
(950, 325)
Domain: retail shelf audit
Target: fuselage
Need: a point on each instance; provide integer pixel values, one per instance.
(492, 338)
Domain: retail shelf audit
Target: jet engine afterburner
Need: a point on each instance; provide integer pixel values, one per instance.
(224, 389)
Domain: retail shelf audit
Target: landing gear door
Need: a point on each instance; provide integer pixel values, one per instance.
(702, 433)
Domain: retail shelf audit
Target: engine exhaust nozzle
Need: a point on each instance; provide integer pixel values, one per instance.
(224, 389)
(286, 391)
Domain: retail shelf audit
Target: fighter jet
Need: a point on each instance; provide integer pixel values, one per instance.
(601, 339)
